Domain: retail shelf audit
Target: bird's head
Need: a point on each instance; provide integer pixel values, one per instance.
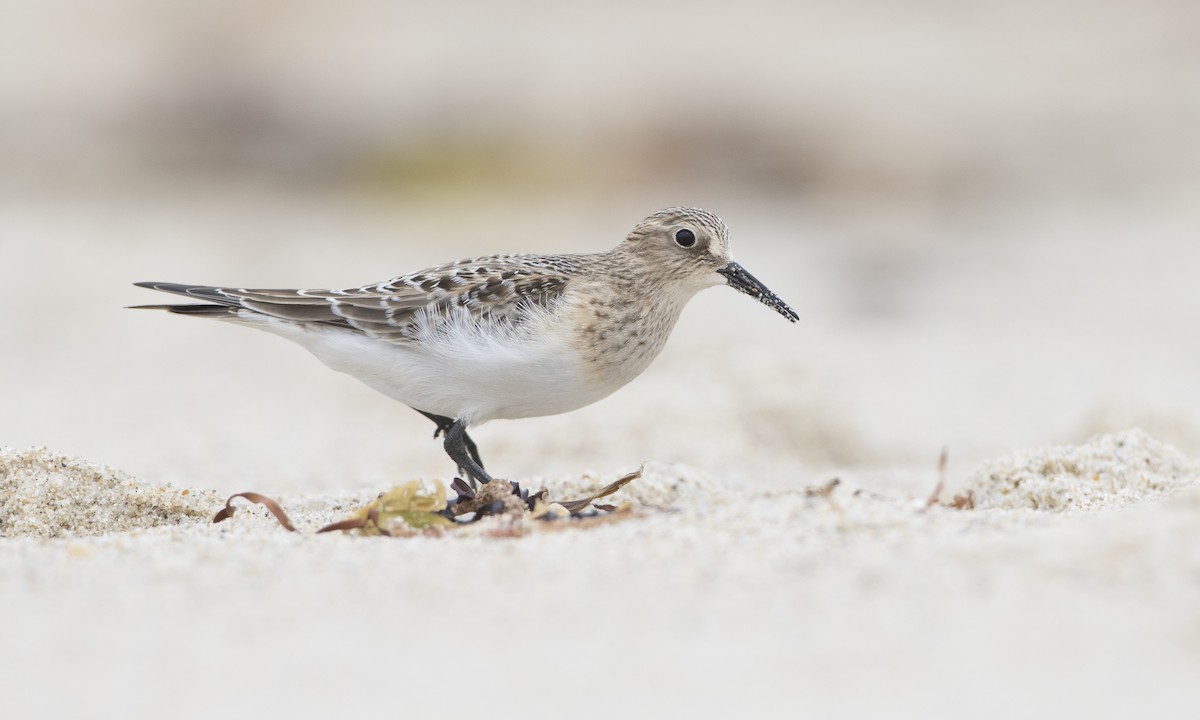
(690, 249)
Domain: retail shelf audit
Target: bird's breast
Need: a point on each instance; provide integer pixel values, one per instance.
(618, 334)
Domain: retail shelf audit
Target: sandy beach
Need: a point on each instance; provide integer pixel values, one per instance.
(1070, 586)
(986, 218)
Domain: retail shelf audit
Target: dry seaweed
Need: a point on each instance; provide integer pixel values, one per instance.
(407, 502)
(227, 512)
(574, 506)
(624, 511)
(464, 490)
(496, 498)
(408, 508)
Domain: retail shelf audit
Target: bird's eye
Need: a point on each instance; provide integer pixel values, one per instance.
(685, 238)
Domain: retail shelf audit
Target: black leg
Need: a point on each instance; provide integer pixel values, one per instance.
(456, 448)
(443, 427)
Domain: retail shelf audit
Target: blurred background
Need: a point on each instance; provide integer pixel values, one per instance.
(986, 214)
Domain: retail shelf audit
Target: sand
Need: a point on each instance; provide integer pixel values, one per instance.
(1070, 586)
(44, 494)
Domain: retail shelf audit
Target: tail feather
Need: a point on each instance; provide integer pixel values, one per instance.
(292, 305)
(201, 292)
(216, 305)
(202, 310)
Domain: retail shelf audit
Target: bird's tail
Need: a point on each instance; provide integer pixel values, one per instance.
(202, 310)
(218, 305)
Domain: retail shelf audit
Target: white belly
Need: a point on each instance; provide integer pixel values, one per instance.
(465, 373)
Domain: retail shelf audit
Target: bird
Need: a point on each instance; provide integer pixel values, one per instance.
(504, 336)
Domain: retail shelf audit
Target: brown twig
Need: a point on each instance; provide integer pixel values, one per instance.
(823, 491)
(934, 498)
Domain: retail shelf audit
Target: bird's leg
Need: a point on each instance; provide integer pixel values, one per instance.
(457, 449)
(443, 428)
(443, 423)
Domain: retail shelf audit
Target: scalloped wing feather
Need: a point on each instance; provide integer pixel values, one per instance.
(497, 287)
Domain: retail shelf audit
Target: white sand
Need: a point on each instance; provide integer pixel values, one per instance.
(1110, 471)
(49, 495)
(747, 596)
(715, 599)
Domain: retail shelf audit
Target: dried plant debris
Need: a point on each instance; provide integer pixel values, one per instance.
(1108, 471)
(576, 506)
(399, 511)
(45, 494)
(499, 497)
(961, 501)
(823, 491)
(935, 496)
(273, 507)
(410, 509)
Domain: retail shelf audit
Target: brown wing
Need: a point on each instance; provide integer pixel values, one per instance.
(499, 287)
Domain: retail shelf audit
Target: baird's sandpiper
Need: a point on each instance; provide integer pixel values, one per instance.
(502, 336)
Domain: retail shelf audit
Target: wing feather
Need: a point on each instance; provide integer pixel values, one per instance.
(501, 287)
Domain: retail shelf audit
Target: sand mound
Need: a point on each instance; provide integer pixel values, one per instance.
(45, 494)
(1106, 472)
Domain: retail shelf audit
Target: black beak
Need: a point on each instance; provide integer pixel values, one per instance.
(744, 282)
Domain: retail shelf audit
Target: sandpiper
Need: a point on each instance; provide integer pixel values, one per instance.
(502, 336)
